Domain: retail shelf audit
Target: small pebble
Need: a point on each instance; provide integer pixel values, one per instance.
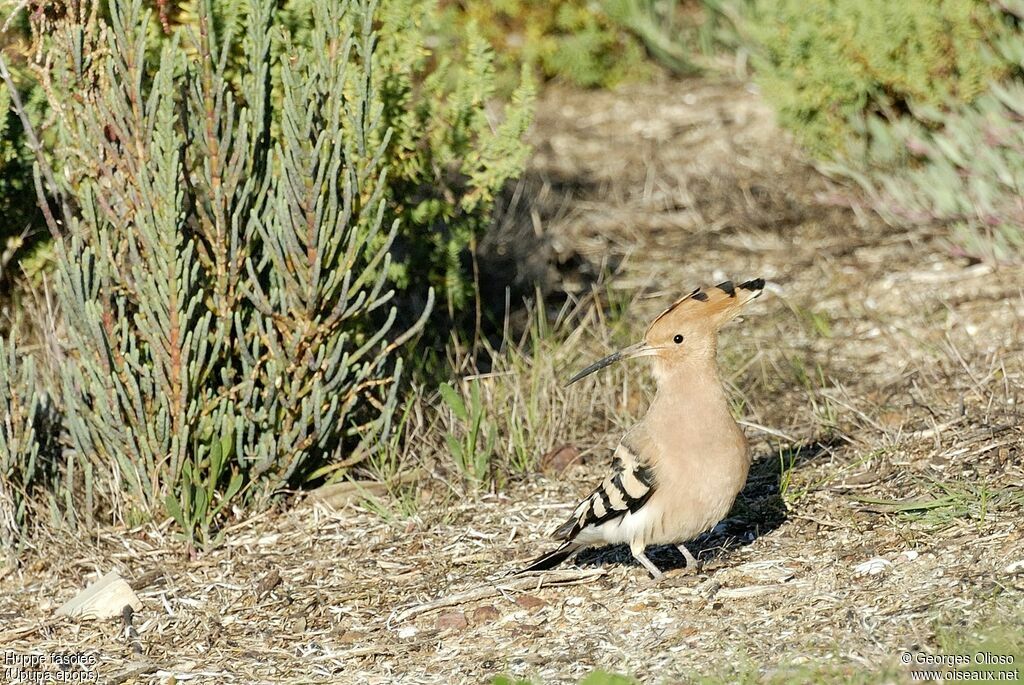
(485, 614)
(455, 620)
(529, 601)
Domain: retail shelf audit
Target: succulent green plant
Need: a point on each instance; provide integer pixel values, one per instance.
(250, 205)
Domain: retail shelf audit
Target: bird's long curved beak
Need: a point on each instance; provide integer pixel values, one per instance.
(640, 349)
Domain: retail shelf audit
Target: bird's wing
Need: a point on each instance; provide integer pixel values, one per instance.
(625, 490)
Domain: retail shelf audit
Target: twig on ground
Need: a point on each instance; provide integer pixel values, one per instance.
(933, 431)
(522, 583)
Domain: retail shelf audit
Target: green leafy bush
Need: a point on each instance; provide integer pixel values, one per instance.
(919, 102)
(246, 203)
(579, 41)
(824, 64)
(598, 43)
(962, 166)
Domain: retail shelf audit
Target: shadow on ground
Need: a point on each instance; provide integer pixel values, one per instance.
(519, 258)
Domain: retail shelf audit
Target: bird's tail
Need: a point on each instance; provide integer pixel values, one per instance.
(551, 559)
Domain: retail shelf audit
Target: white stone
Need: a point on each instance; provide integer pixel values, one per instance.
(106, 598)
(872, 567)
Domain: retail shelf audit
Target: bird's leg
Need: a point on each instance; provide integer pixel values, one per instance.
(655, 572)
(691, 563)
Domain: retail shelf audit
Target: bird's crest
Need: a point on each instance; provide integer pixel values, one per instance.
(723, 299)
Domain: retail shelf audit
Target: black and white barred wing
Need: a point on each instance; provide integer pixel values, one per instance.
(626, 490)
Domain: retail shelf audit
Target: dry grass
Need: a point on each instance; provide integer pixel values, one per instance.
(459, 434)
(887, 372)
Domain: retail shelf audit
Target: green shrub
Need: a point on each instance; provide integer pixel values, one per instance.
(243, 215)
(824, 64)
(596, 43)
(22, 225)
(682, 36)
(579, 41)
(968, 173)
(919, 102)
(27, 442)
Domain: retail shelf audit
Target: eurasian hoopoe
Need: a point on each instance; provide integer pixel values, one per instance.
(678, 471)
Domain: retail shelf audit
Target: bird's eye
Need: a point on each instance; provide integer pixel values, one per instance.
(678, 339)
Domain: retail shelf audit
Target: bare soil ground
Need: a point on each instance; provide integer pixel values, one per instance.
(884, 504)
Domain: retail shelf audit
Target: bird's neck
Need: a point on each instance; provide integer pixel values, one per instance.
(691, 392)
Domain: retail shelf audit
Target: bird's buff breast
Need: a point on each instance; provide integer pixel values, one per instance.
(698, 504)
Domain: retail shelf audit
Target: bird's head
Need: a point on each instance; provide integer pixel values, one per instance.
(688, 330)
